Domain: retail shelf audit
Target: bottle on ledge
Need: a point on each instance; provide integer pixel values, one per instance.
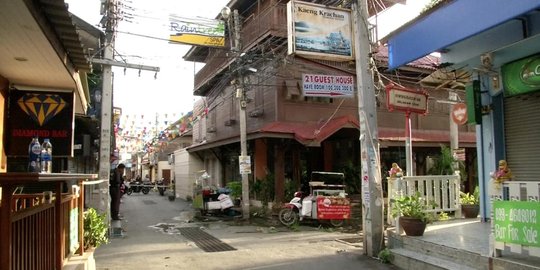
(34, 153)
(46, 156)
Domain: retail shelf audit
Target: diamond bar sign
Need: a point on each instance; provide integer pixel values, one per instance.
(43, 115)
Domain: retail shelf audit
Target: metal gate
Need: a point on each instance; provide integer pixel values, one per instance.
(522, 135)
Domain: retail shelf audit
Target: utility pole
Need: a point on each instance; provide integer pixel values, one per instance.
(244, 161)
(241, 95)
(372, 200)
(109, 10)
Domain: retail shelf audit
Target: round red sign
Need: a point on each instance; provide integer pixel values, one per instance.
(459, 113)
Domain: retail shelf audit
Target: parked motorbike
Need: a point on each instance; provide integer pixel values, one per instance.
(327, 202)
(161, 186)
(138, 186)
(123, 189)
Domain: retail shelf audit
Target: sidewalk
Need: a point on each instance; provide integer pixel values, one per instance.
(152, 240)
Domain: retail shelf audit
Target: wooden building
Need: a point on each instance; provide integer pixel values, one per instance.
(289, 134)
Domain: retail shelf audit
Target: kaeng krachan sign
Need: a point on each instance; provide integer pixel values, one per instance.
(43, 115)
(517, 222)
(318, 31)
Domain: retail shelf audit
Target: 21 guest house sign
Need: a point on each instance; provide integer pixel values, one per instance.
(43, 115)
(318, 85)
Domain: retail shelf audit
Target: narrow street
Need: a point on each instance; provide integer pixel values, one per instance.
(256, 247)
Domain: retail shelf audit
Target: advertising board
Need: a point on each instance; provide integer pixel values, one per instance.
(318, 85)
(318, 31)
(201, 32)
(40, 114)
(517, 222)
(333, 208)
(407, 100)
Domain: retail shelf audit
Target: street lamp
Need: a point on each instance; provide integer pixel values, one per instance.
(244, 161)
(225, 13)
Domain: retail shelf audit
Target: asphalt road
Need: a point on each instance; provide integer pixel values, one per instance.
(151, 240)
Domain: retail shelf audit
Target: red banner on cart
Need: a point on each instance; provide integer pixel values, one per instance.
(333, 208)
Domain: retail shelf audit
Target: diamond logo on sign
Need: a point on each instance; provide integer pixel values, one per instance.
(41, 107)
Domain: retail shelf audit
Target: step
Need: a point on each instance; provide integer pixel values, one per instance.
(522, 262)
(439, 250)
(407, 259)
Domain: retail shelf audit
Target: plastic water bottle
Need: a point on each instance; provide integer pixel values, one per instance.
(34, 153)
(46, 156)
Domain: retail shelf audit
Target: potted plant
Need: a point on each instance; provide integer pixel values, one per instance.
(470, 203)
(95, 229)
(236, 191)
(412, 214)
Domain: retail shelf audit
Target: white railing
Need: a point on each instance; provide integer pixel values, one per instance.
(443, 190)
(515, 226)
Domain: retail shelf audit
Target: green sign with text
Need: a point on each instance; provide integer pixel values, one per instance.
(522, 76)
(517, 222)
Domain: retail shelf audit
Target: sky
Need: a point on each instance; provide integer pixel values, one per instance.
(170, 93)
(137, 92)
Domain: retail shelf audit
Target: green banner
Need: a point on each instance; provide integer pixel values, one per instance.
(517, 222)
(522, 76)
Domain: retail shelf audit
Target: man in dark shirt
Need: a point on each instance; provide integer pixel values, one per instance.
(114, 189)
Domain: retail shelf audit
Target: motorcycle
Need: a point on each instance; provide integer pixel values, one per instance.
(161, 186)
(138, 186)
(327, 202)
(123, 189)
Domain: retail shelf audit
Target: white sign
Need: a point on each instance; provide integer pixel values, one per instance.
(316, 85)
(406, 100)
(245, 164)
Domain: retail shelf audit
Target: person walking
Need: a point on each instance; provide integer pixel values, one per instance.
(114, 189)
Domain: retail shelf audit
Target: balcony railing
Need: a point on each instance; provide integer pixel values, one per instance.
(271, 22)
(40, 231)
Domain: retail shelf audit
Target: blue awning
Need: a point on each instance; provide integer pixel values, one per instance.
(451, 23)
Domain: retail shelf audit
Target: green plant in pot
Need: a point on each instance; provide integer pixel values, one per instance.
(95, 229)
(412, 214)
(470, 203)
(236, 191)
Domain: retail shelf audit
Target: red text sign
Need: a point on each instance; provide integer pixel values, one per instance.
(333, 208)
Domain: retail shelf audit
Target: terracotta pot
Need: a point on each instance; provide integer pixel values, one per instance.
(470, 210)
(412, 226)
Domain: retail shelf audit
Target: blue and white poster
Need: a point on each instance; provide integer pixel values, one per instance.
(321, 32)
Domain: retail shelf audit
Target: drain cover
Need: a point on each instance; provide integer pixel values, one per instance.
(148, 202)
(204, 241)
